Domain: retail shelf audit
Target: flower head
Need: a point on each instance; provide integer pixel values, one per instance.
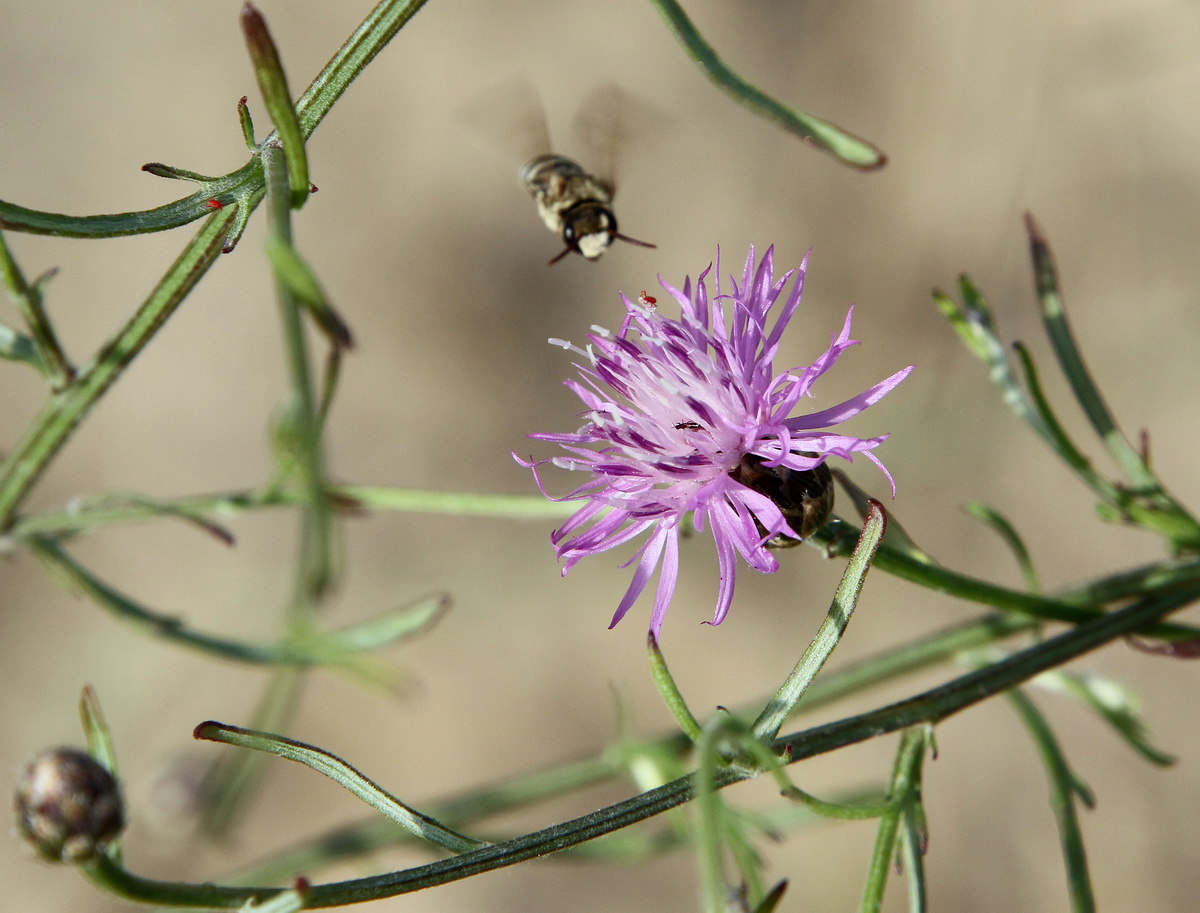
(689, 415)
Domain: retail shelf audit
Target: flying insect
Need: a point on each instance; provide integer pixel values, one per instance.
(573, 202)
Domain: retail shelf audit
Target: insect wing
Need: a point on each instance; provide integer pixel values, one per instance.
(512, 118)
(607, 126)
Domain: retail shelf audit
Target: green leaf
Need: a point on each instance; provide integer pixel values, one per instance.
(904, 795)
(987, 514)
(272, 82)
(1064, 786)
(670, 691)
(99, 738)
(836, 619)
(1145, 502)
(1115, 703)
(100, 747)
(247, 124)
(813, 131)
(307, 648)
(47, 354)
(345, 776)
(18, 347)
(291, 269)
(400, 624)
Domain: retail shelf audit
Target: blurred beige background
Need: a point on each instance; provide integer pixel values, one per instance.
(1085, 114)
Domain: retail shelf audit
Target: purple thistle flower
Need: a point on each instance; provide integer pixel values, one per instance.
(678, 412)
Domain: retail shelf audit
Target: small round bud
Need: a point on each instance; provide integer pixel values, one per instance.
(68, 806)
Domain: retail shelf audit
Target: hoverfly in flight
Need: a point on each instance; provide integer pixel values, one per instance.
(574, 203)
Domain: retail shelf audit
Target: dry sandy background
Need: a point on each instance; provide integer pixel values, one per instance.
(1084, 113)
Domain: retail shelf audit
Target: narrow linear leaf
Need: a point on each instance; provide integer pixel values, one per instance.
(975, 325)
(345, 776)
(836, 619)
(1114, 703)
(1149, 504)
(400, 624)
(329, 385)
(987, 514)
(911, 856)
(838, 811)
(159, 170)
(895, 536)
(247, 124)
(309, 649)
(95, 727)
(48, 355)
(1063, 445)
(16, 346)
(1069, 358)
(100, 747)
(670, 692)
(272, 82)
(48, 432)
(235, 776)
(904, 792)
(160, 218)
(957, 319)
(1064, 786)
(846, 147)
(291, 269)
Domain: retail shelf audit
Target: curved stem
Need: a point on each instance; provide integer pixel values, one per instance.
(931, 706)
(380, 27)
(63, 412)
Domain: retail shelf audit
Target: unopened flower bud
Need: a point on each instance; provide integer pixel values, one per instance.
(68, 806)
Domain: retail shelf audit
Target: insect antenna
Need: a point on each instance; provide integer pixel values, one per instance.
(628, 240)
(557, 257)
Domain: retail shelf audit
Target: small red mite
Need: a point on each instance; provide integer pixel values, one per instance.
(214, 204)
(647, 300)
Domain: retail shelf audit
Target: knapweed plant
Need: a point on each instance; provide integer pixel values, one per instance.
(694, 437)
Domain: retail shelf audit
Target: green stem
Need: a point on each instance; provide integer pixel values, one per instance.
(368, 836)
(931, 706)
(116, 508)
(1073, 605)
(837, 535)
(380, 27)
(314, 568)
(28, 459)
(906, 782)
